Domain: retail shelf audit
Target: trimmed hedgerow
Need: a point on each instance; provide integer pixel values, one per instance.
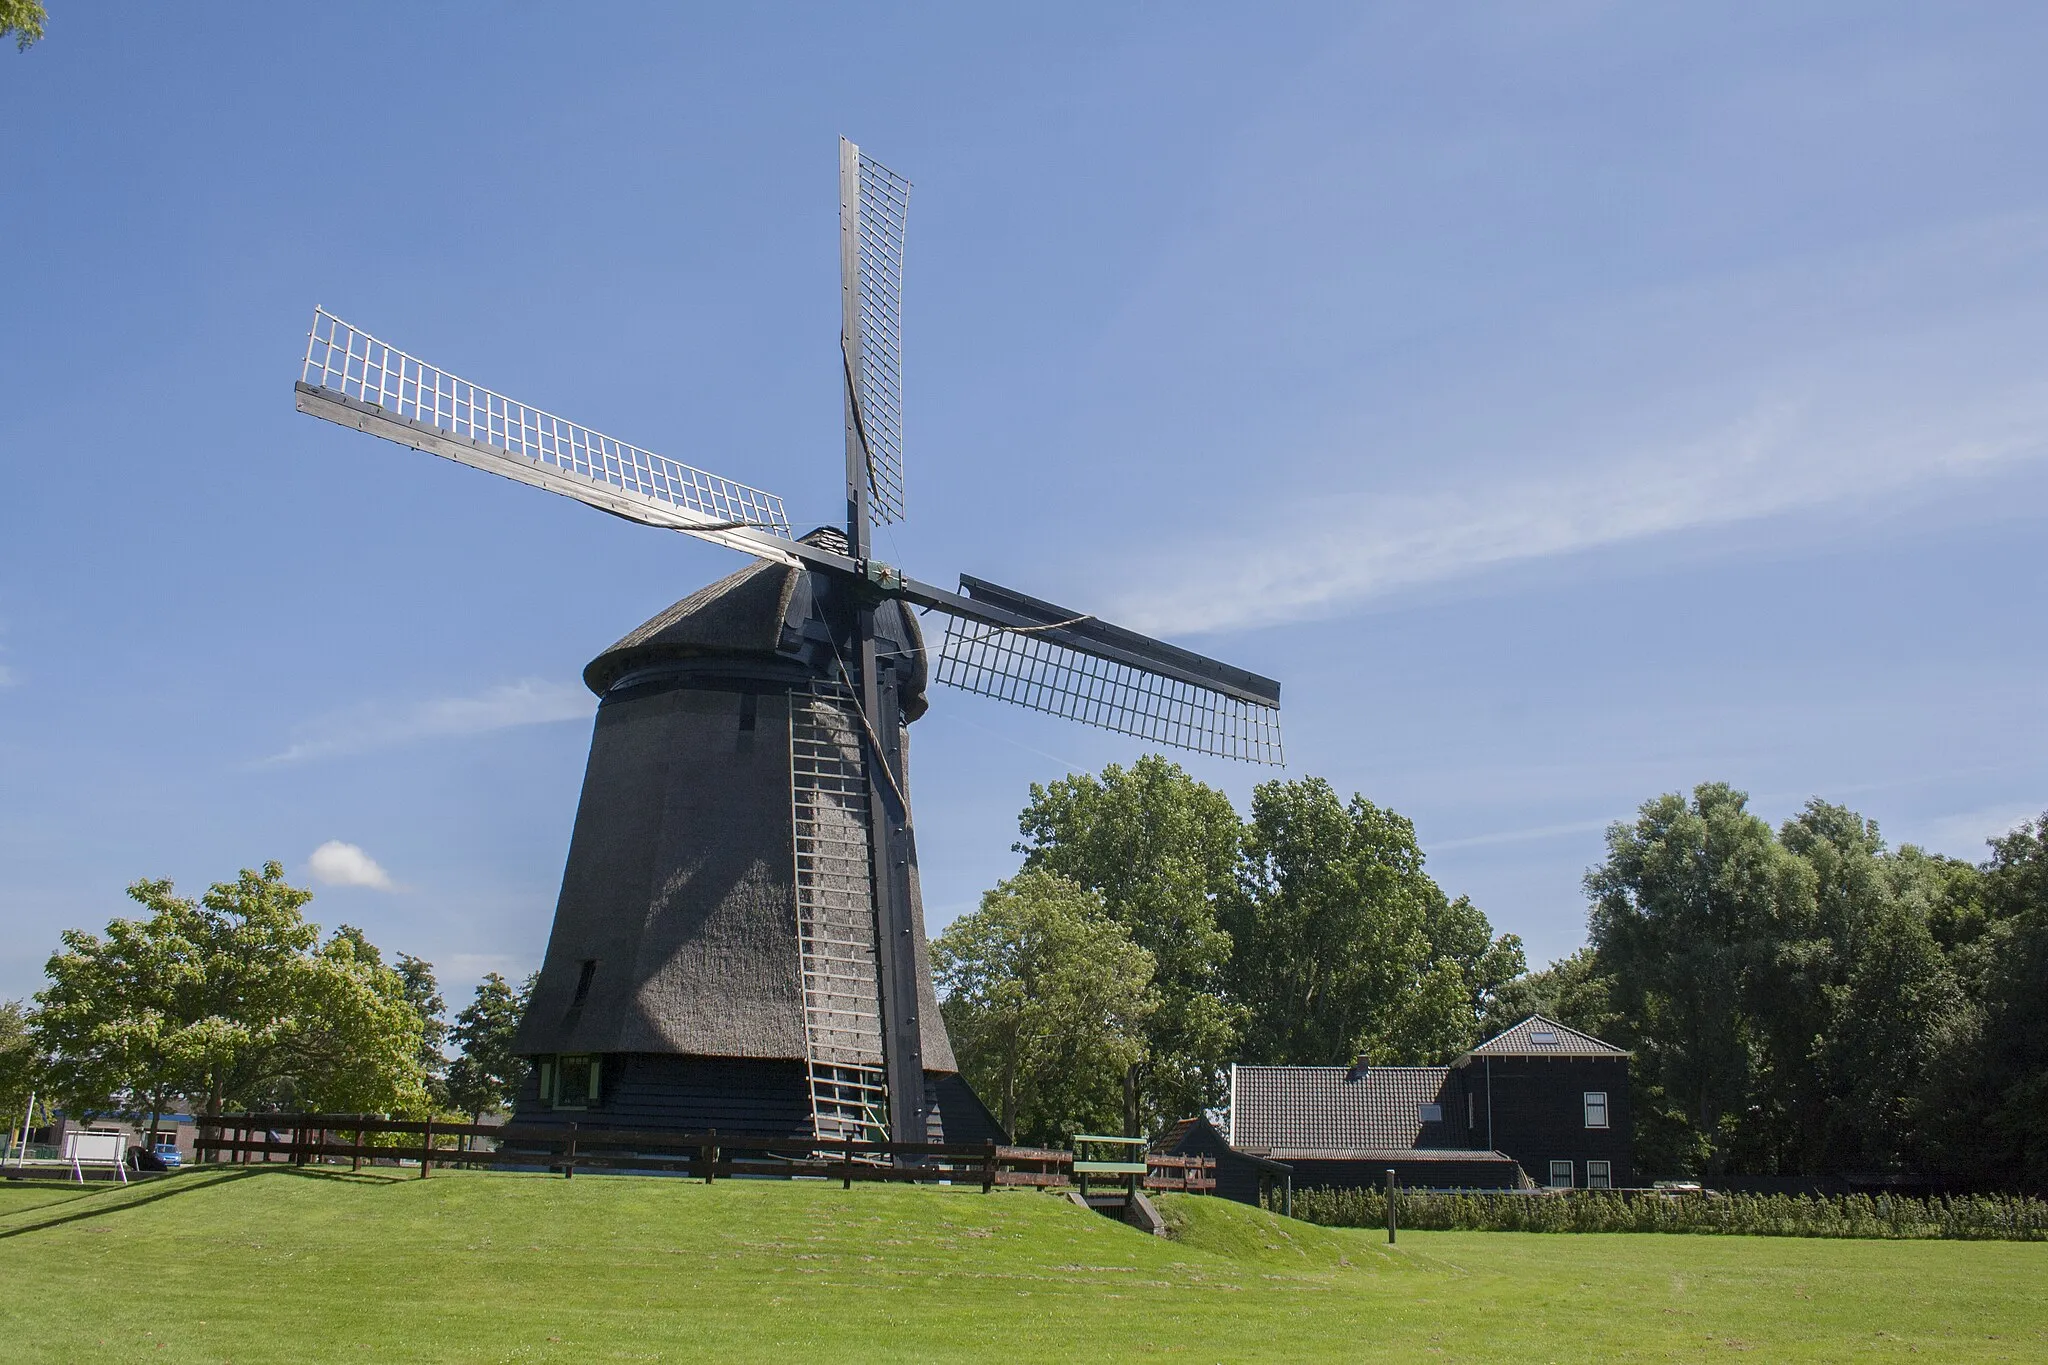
(1966, 1218)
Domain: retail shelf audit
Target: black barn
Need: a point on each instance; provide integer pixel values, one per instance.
(1541, 1104)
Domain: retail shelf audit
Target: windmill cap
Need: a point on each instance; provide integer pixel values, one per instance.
(748, 615)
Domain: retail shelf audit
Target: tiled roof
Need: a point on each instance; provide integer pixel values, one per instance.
(1540, 1037)
(1336, 1108)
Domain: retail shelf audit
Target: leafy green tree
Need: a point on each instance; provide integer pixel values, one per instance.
(423, 993)
(1161, 850)
(1344, 946)
(1996, 1075)
(20, 1066)
(488, 1074)
(1047, 999)
(1686, 911)
(24, 19)
(232, 999)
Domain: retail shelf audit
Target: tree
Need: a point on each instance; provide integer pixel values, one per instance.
(1686, 909)
(20, 1068)
(1997, 1070)
(232, 999)
(25, 20)
(423, 993)
(1344, 946)
(1161, 851)
(1047, 999)
(488, 1074)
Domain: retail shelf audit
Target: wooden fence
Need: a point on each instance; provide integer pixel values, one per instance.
(303, 1139)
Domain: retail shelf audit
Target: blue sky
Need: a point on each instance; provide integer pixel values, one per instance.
(1568, 402)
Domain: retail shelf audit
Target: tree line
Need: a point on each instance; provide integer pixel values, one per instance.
(235, 1001)
(1801, 1001)
(1807, 1001)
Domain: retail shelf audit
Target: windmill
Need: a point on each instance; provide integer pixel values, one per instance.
(739, 942)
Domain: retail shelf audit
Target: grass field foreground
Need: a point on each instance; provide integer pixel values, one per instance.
(257, 1265)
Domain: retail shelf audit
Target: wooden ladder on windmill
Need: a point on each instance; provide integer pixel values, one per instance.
(836, 917)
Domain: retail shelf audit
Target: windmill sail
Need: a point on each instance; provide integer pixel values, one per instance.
(355, 380)
(1066, 663)
(874, 202)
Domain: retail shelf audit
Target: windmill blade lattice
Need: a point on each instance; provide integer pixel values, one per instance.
(1022, 667)
(519, 440)
(884, 205)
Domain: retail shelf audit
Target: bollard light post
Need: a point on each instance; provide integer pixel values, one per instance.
(1393, 1222)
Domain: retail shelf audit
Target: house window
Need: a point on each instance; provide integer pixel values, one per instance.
(1560, 1175)
(569, 1082)
(1599, 1175)
(1429, 1113)
(1596, 1108)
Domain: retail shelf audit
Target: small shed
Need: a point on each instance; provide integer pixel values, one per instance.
(1239, 1175)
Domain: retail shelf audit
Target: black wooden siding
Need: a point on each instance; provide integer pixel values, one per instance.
(1537, 1107)
(738, 1097)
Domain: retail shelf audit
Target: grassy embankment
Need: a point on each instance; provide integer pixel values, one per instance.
(277, 1264)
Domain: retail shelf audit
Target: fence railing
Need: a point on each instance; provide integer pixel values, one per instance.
(304, 1139)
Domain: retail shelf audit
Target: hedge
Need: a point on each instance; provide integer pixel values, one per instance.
(2009, 1218)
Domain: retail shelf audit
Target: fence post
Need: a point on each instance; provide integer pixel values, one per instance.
(988, 1168)
(426, 1147)
(1392, 1220)
(356, 1164)
(711, 1156)
(846, 1165)
(569, 1155)
(1287, 1197)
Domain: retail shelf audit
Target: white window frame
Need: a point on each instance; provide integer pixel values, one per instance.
(1568, 1182)
(1593, 1097)
(1599, 1175)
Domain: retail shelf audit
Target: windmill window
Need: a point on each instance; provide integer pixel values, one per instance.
(583, 979)
(1560, 1175)
(1599, 1175)
(1596, 1108)
(570, 1082)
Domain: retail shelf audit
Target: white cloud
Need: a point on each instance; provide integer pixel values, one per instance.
(335, 863)
(530, 701)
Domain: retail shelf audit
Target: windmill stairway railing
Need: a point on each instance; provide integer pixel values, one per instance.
(320, 1139)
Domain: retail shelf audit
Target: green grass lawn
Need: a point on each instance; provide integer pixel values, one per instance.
(281, 1265)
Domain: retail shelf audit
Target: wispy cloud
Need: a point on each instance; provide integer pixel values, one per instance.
(1521, 836)
(1804, 385)
(335, 863)
(378, 725)
(1780, 458)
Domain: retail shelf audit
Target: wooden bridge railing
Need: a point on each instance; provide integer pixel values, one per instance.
(302, 1139)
